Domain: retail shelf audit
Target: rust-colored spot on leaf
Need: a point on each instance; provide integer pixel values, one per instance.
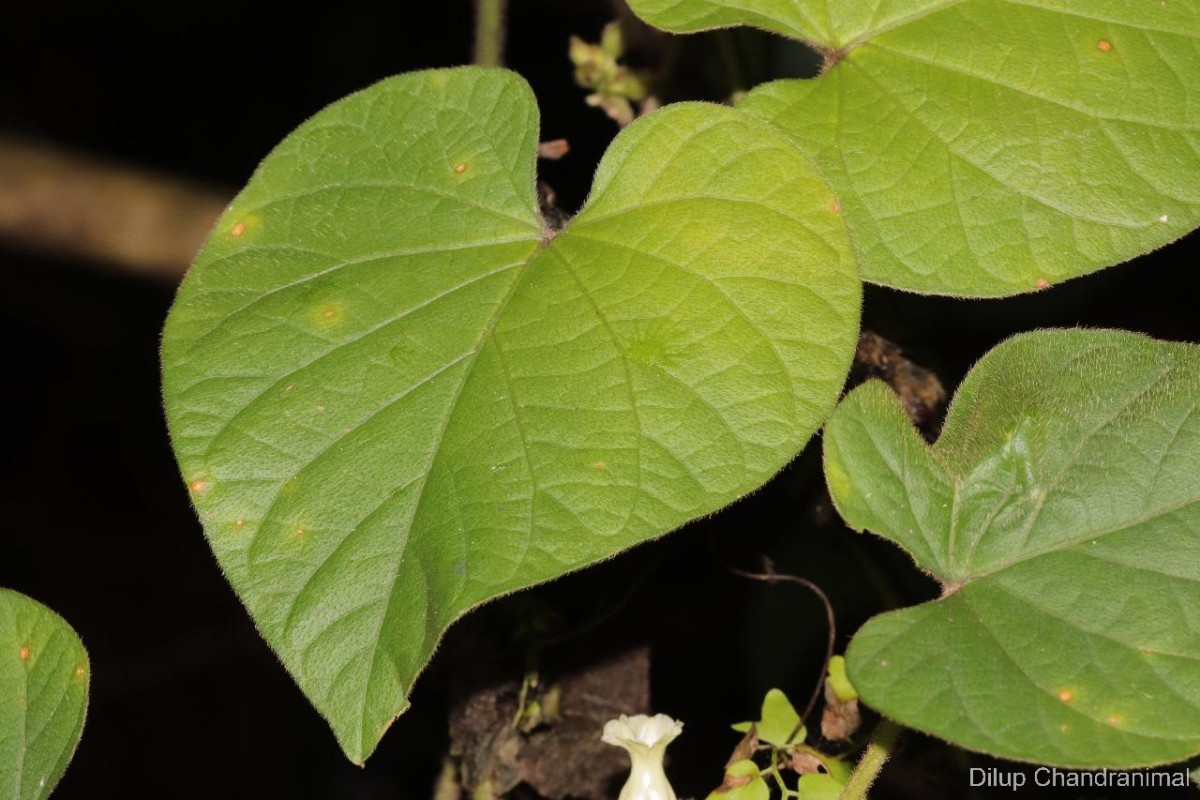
(599, 466)
(459, 169)
(836, 207)
(1066, 695)
(238, 229)
(24, 652)
(198, 486)
(1104, 46)
(1042, 283)
(79, 672)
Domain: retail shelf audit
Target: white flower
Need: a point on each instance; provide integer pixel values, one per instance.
(645, 739)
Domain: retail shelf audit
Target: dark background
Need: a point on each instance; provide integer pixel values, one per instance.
(187, 701)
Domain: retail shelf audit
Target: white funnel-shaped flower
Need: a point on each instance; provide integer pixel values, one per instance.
(645, 739)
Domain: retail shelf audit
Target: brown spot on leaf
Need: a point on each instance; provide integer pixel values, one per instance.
(599, 466)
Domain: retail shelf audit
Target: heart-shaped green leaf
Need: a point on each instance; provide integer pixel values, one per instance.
(1060, 510)
(989, 147)
(778, 723)
(394, 395)
(43, 697)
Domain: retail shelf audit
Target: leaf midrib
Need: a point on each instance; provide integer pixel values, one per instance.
(435, 451)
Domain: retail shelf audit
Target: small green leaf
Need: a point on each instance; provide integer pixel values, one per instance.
(743, 781)
(1060, 510)
(842, 687)
(989, 147)
(778, 721)
(394, 395)
(44, 676)
(816, 786)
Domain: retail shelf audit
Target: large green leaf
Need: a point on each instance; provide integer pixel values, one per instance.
(43, 697)
(1060, 510)
(989, 147)
(395, 396)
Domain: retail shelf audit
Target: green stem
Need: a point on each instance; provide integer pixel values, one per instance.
(489, 32)
(872, 761)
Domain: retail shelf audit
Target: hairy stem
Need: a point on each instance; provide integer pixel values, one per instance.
(489, 32)
(872, 761)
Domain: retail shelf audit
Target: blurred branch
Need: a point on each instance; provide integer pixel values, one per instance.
(135, 221)
(489, 32)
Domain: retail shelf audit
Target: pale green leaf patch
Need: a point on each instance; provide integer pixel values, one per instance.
(1060, 511)
(988, 147)
(395, 395)
(44, 676)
